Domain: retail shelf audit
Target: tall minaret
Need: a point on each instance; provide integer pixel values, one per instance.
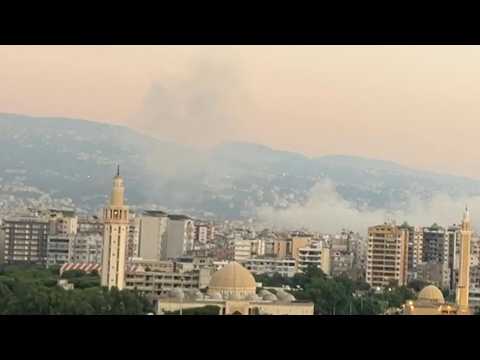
(464, 265)
(115, 217)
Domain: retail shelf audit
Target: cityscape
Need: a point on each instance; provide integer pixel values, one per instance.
(178, 264)
(220, 182)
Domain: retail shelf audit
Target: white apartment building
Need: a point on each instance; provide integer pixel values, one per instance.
(59, 249)
(153, 235)
(133, 239)
(180, 236)
(242, 250)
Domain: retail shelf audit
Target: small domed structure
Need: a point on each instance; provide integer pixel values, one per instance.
(232, 281)
(270, 297)
(282, 295)
(252, 297)
(432, 294)
(215, 296)
(263, 292)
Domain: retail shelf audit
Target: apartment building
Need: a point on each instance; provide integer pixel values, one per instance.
(152, 243)
(386, 255)
(267, 265)
(25, 240)
(87, 247)
(59, 249)
(180, 231)
(317, 254)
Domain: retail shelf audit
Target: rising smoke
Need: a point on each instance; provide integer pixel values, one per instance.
(198, 107)
(326, 211)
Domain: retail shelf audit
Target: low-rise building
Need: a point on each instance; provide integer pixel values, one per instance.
(153, 265)
(160, 283)
(266, 265)
(65, 285)
(233, 290)
(197, 262)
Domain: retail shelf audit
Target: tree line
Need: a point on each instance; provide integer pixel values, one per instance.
(33, 290)
(340, 295)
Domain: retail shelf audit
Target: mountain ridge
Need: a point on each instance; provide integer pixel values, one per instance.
(75, 158)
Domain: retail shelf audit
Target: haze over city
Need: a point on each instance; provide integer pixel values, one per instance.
(239, 180)
(415, 105)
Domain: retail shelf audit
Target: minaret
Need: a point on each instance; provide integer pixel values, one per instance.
(115, 217)
(464, 265)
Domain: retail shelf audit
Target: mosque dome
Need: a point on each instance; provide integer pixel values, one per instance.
(233, 281)
(431, 293)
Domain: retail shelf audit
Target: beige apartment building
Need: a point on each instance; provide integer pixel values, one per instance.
(387, 255)
(297, 242)
(317, 254)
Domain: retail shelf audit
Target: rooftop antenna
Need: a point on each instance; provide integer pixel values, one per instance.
(118, 169)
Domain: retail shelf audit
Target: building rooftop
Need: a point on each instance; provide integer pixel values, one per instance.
(155, 213)
(179, 217)
(64, 212)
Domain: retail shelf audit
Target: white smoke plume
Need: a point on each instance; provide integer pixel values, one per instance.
(199, 106)
(326, 211)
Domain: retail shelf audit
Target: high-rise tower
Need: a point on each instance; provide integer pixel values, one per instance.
(115, 234)
(463, 286)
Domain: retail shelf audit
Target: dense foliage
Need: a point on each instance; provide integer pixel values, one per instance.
(340, 295)
(34, 290)
(205, 310)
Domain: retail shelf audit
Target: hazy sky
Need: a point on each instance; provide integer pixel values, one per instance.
(416, 105)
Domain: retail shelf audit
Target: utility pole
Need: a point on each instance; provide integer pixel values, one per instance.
(181, 296)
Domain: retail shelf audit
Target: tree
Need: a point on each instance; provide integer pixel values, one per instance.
(205, 310)
(417, 285)
(34, 290)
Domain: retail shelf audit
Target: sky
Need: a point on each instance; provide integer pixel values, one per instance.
(415, 105)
